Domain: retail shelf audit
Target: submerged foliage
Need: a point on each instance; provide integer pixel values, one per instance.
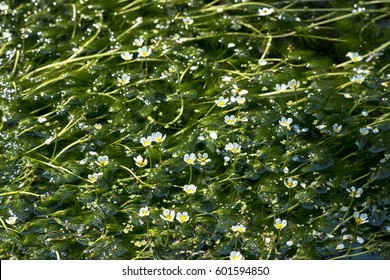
(194, 129)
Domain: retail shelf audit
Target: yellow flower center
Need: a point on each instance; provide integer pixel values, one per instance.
(279, 226)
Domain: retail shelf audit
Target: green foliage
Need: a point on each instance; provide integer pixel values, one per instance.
(70, 97)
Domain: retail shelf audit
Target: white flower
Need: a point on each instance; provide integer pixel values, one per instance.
(347, 95)
(190, 189)
(289, 243)
(354, 56)
(290, 183)
(127, 56)
(146, 141)
(337, 128)
(230, 120)
(279, 224)
(359, 240)
(239, 99)
(262, 62)
(92, 178)
(357, 79)
(234, 148)
(231, 45)
(168, 215)
(11, 220)
(365, 113)
(48, 140)
(281, 87)
(213, 135)
(203, 158)
(239, 91)
(138, 42)
(226, 78)
(158, 137)
(42, 119)
(188, 21)
(340, 246)
(140, 161)
(355, 193)
(364, 131)
(144, 51)
(360, 218)
(190, 159)
(293, 84)
(235, 256)
(98, 126)
(144, 211)
(3, 7)
(123, 80)
(102, 161)
(265, 11)
(222, 102)
(285, 122)
(238, 228)
(182, 217)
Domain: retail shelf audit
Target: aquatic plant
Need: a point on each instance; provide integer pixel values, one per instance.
(194, 129)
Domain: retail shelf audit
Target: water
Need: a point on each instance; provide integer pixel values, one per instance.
(289, 100)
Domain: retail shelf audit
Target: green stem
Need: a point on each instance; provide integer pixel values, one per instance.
(189, 182)
(167, 240)
(349, 208)
(353, 239)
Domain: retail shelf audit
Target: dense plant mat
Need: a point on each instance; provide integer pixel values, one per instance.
(194, 129)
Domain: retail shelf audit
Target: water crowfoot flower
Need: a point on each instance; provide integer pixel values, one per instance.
(92, 178)
(190, 189)
(144, 52)
(355, 193)
(168, 215)
(182, 217)
(290, 183)
(364, 131)
(279, 224)
(123, 80)
(262, 62)
(138, 42)
(359, 79)
(281, 87)
(140, 161)
(203, 158)
(230, 120)
(188, 21)
(293, 84)
(158, 137)
(285, 122)
(234, 148)
(236, 255)
(127, 56)
(190, 159)
(222, 102)
(146, 141)
(239, 99)
(102, 161)
(144, 211)
(239, 91)
(265, 11)
(354, 56)
(238, 228)
(11, 220)
(360, 218)
(213, 135)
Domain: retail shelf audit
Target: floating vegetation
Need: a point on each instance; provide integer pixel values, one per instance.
(194, 129)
